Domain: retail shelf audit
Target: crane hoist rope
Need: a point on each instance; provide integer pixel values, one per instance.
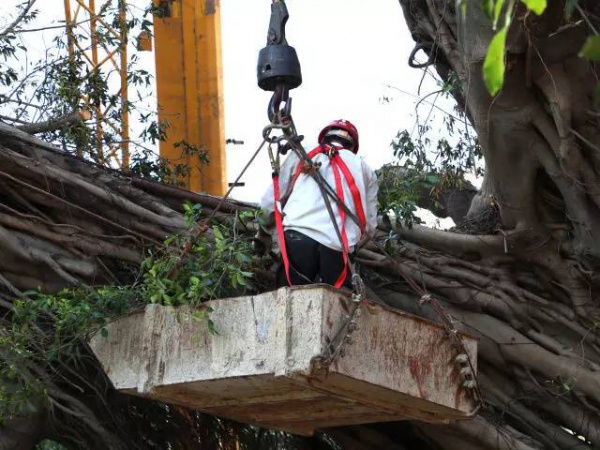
(278, 70)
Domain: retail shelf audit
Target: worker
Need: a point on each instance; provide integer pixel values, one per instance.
(314, 250)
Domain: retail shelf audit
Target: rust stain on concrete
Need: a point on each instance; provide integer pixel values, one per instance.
(420, 369)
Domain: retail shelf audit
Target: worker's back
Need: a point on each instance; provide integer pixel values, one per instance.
(305, 210)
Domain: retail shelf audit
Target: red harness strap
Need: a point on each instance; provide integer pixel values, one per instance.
(339, 190)
(279, 225)
(339, 168)
(358, 206)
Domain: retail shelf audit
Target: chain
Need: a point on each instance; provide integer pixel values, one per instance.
(283, 121)
(360, 290)
(462, 360)
(335, 345)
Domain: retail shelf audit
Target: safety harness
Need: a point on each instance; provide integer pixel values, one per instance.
(340, 169)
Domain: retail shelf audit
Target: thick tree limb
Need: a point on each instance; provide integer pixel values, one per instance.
(60, 123)
(453, 243)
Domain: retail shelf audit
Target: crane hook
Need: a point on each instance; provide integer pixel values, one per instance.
(278, 62)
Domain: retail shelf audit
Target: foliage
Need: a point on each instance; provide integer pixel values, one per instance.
(212, 267)
(398, 194)
(591, 48)
(146, 164)
(62, 81)
(494, 66)
(192, 268)
(10, 46)
(428, 161)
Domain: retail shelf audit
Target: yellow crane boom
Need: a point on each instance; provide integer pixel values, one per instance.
(189, 78)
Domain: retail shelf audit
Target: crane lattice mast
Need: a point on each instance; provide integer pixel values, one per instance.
(84, 25)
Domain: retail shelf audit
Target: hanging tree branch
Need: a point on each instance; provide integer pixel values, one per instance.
(15, 23)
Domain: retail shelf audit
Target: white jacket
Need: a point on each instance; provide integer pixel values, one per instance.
(305, 210)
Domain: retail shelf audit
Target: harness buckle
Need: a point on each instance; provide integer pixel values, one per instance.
(309, 167)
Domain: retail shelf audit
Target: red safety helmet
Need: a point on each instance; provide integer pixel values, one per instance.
(344, 125)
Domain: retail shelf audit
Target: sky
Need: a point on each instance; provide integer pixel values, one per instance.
(349, 53)
(353, 56)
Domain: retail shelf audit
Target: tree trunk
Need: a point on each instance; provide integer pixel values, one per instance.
(540, 135)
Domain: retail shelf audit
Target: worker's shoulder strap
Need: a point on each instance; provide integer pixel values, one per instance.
(337, 163)
(340, 164)
(314, 152)
(298, 171)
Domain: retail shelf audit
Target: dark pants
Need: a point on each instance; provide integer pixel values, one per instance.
(311, 262)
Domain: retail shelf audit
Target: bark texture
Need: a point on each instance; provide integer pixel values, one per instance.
(540, 139)
(66, 222)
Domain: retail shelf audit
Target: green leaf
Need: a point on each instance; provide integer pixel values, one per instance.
(488, 8)
(240, 279)
(243, 258)
(494, 65)
(591, 48)
(217, 233)
(432, 179)
(537, 6)
(103, 332)
(52, 354)
(497, 11)
(29, 407)
(570, 8)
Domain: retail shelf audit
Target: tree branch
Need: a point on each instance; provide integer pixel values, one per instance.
(10, 28)
(60, 123)
(453, 243)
